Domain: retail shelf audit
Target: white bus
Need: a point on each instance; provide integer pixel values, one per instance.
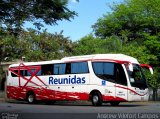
(100, 78)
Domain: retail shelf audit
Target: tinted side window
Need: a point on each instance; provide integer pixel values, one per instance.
(29, 72)
(79, 67)
(47, 69)
(23, 72)
(33, 70)
(59, 69)
(104, 70)
(120, 75)
(14, 75)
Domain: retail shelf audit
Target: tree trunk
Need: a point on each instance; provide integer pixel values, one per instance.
(5, 91)
(1, 75)
(154, 94)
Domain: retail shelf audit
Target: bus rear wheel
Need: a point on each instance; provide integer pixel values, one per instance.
(96, 99)
(31, 98)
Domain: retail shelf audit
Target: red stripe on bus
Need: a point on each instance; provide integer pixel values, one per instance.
(130, 90)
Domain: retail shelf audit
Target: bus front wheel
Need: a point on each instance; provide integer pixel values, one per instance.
(96, 99)
(31, 98)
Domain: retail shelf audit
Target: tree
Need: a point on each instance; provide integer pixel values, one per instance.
(92, 45)
(7, 49)
(153, 81)
(139, 52)
(87, 45)
(134, 17)
(152, 43)
(38, 46)
(14, 13)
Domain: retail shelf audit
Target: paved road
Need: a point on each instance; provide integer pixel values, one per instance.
(76, 110)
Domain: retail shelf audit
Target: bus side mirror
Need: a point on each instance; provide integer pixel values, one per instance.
(147, 66)
(130, 67)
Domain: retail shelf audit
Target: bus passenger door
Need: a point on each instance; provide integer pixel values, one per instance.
(121, 84)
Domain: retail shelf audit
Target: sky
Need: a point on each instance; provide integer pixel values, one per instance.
(89, 11)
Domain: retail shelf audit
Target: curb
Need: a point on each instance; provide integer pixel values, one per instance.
(2, 100)
(6, 100)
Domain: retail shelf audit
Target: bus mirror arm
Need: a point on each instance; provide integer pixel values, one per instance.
(151, 70)
(147, 66)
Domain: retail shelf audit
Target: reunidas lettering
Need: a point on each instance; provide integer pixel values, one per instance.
(69, 80)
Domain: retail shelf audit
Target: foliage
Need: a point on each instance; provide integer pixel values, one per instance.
(153, 46)
(87, 45)
(140, 52)
(35, 46)
(91, 45)
(15, 13)
(133, 17)
(153, 80)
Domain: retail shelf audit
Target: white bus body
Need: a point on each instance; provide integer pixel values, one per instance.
(100, 78)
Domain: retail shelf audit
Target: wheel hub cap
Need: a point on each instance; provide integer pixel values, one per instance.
(30, 98)
(95, 99)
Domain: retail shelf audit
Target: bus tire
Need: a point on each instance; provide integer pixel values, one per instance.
(96, 99)
(114, 103)
(31, 99)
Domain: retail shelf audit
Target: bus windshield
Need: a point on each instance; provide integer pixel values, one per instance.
(136, 77)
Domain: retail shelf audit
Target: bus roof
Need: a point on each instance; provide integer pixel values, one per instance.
(118, 57)
(111, 57)
(36, 63)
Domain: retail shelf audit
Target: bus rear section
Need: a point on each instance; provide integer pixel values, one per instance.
(48, 81)
(101, 78)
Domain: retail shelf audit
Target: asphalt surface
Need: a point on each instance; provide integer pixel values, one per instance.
(77, 110)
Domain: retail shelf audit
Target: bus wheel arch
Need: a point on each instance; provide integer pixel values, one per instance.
(96, 98)
(30, 97)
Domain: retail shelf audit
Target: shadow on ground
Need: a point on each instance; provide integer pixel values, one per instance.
(82, 103)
